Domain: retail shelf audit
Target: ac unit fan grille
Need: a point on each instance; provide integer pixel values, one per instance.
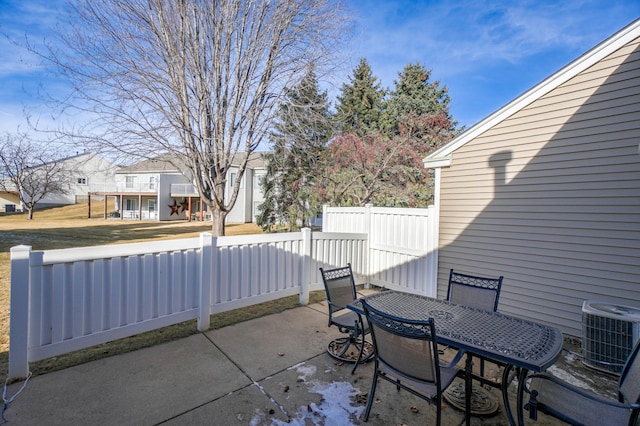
(607, 342)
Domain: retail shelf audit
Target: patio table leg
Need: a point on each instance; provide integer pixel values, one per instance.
(468, 383)
(522, 377)
(506, 381)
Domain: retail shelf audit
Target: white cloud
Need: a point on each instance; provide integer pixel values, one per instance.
(457, 37)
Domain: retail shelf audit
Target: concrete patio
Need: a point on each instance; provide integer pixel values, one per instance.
(269, 371)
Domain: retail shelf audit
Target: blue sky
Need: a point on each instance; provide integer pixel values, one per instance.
(486, 52)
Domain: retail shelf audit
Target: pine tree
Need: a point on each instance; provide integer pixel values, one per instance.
(383, 166)
(361, 103)
(300, 136)
(415, 99)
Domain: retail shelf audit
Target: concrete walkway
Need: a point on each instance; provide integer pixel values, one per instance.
(269, 371)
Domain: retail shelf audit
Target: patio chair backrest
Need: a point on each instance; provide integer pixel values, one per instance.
(474, 291)
(339, 286)
(406, 346)
(629, 388)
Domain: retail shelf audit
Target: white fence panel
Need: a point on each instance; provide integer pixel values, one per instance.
(86, 301)
(335, 249)
(402, 252)
(345, 219)
(65, 300)
(257, 268)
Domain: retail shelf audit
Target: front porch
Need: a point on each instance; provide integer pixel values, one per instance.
(146, 206)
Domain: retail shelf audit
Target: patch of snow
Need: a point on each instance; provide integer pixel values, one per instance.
(570, 357)
(570, 378)
(305, 371)
(334, 410)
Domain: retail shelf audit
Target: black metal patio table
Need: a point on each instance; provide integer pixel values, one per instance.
(514, 342)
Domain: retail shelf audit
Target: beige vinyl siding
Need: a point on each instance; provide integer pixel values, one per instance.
(550, 198)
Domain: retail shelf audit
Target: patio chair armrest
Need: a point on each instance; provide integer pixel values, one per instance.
(334, 305)
(456, 359)
(545, 389)
(572, 388)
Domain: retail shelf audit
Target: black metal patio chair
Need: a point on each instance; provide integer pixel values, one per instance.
(340, 287)
(578, 406)
(407, 356)
(481, 293)
(476, 292)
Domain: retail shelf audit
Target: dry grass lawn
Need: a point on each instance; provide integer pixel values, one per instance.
(66, 227)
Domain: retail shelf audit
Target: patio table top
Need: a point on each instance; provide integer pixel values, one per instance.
(503, 338)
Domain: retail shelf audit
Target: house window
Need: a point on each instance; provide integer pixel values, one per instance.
(131, 181)
(257, 180)
(232, 180)
(132, 204)
(82, 181)
(152, 182)
(152, 205)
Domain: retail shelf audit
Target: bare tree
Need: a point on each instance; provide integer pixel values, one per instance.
(30, 170)
(195, 79)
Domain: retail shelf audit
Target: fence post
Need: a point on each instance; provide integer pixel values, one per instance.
(325, 216)
(208, 269)
(432, 251)
(368, 224)
(19, 322)
(306, 266)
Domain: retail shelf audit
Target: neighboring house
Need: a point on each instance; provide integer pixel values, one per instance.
(9, 201)
(155, 189)
(546, 191)
(251, 196)
(87, 173)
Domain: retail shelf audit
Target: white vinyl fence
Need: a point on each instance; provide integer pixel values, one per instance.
(403, 244)
(65, 300)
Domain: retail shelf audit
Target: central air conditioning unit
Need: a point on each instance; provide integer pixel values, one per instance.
(609, 333)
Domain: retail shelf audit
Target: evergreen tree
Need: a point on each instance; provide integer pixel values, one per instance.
(301, 132)
(415, 98)
(383, 166)
(360, 105)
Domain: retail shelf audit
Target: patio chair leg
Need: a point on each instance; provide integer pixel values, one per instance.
(359, 360)
(345, 342)
(371, 394)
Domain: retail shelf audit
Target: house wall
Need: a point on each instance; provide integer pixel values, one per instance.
(88, 173)
(243, 209)
(6, 198)
(550, 198)
(165, 200)
(140, 182)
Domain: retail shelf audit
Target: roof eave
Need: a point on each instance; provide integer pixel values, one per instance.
(592, 56)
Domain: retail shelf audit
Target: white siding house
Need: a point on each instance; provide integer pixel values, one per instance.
(546, 191)
(86, 173)
(155, 189)
(9, 201)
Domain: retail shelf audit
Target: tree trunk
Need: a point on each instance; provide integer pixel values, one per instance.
(30, 214)
(217, 222)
